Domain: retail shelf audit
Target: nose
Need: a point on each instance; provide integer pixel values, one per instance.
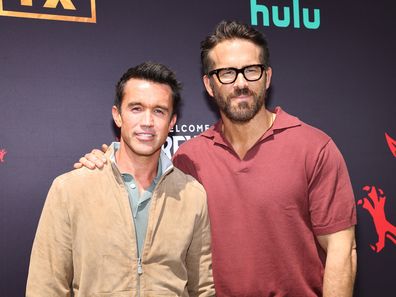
(148, 120)
(240, 81)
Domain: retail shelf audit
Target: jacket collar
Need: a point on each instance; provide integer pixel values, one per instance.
(165, 162)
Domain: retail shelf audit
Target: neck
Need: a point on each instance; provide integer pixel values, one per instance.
(142, 168)
(242, 136)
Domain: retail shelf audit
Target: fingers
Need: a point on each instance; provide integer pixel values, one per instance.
(95, 159)
(77, 165)
(104, 147)
(90, 161)
(96, 154)
(91, 164)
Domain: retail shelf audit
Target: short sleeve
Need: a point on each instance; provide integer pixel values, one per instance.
(331, 200)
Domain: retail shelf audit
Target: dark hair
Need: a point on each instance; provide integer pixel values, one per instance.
(227, 30)
(154, 72)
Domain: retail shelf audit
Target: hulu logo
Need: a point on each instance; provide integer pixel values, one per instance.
(284, 22)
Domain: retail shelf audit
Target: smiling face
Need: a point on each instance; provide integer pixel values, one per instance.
(145, 118)
(241, 100)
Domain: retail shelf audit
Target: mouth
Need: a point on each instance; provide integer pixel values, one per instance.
(145, 136)
(241, 95)
(240, 98)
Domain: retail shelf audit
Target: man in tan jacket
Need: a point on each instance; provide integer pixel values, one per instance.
(137, 227)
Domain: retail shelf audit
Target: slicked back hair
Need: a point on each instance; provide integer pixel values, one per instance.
(154, 72)
(228, 30)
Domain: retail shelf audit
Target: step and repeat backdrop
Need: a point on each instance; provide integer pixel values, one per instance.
(333, 67)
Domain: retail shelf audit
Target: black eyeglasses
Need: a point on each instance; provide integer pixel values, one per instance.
(229, 75)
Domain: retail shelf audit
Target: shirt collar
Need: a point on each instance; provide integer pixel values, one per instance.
(282, 121)
(164, 163)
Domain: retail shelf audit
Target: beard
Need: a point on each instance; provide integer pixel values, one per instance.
(244, 111)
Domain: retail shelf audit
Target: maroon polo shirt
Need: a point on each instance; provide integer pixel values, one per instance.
(266, 209)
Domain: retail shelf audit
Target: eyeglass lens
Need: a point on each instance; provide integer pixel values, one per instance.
(250, 73)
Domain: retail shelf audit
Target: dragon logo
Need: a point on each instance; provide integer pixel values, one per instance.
(3, 152)
(391, 143)
(374, 203)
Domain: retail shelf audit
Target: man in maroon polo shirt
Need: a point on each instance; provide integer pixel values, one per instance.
(280, 200)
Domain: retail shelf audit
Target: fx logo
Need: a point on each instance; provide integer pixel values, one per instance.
(59, 10)
(3, 152)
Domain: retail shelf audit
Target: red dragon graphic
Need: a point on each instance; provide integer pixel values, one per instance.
(374, 203)
(3, 152)
(391, 143)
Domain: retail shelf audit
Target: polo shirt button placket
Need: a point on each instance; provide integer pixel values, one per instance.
(244, 170)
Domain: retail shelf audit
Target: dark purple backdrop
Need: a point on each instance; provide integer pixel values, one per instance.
(57, 84)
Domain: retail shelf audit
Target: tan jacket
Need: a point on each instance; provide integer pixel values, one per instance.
(85, 243)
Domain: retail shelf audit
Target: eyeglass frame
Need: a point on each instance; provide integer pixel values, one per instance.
(238, 70)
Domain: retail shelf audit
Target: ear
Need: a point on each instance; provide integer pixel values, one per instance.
(172, 122)
(208, 85)
(116, 116)
(268, 75)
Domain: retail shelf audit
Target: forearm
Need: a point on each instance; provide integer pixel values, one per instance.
(339, 275)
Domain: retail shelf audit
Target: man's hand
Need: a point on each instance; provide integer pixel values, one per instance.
(92, 160)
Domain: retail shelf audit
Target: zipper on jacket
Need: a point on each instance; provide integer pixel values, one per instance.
(139, 267)
(139, 272)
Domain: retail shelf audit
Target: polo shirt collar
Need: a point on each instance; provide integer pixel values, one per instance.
(282, 121)
(165, 164)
